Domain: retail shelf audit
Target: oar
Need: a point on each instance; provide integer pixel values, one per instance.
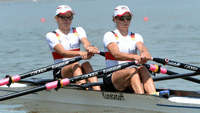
(66, 81)
(163, 61)
(158, 69)
(16, 78)
(166, 61)
(101, 53)
(180, 65)
(176, 76)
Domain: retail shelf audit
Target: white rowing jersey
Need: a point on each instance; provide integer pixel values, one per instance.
(71, 41)
(126, 45)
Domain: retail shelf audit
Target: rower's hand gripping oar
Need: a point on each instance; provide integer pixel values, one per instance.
(12, 79)
(153, 68)
(66, 81)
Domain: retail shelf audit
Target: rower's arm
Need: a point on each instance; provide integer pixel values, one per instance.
(143, 51)
(88, 47)
(114, 50)
(68, 54)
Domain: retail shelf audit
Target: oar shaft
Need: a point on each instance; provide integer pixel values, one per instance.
(175, 76)
(176, 64)
(103, 71)
(179, 65)
(168, 72)
(39, 71)
(185, 78)
(21, 93)
(50, 67)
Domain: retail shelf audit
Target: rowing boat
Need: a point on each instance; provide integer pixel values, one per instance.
(178, 101)
(42, 89)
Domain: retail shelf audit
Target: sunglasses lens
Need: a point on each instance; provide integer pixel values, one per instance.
(65, 18)
(128, 18)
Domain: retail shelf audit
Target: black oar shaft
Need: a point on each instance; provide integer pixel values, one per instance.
(168, 72)
(179, 65)
(176, 64)
(186, 78)
(103, 71)
(16, 78)
(21, 93)
(175, 76)
(50, 67)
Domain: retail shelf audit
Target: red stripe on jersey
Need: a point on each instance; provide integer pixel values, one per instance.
(109, 56)
(58, 56)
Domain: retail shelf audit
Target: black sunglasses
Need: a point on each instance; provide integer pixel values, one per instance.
(65, 18)
(122, 18)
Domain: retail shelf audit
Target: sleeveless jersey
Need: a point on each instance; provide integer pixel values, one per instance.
(126, 45)
(71, 41)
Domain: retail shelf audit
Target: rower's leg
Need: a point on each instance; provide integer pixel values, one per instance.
(72, 70)
(127, 77)
(86, 68)
(146, 80)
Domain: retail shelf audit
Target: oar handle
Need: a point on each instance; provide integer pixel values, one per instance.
(101, 53)
(7, 80)
(48, 86)
(155, 68)
(53, 85)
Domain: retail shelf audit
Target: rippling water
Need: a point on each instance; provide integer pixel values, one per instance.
(172, 31)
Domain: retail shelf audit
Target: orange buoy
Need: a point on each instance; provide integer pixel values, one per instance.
(145, 18)
(43, 20)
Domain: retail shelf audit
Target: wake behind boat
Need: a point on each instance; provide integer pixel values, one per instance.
(178, 101)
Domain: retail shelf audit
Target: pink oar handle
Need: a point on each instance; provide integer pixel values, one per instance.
(154, 69)
(53, 85)
(6, 80)
(163, 70)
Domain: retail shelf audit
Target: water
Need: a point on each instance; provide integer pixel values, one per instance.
(172, 31)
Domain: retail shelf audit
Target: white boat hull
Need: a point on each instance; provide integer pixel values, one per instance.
(113, 99)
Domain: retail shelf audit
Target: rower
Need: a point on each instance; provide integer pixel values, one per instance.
(64, 44)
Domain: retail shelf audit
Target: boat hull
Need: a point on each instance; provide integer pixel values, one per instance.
(76, 95)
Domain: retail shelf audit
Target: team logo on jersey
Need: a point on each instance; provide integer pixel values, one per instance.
(73, 46)
(132, 51)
